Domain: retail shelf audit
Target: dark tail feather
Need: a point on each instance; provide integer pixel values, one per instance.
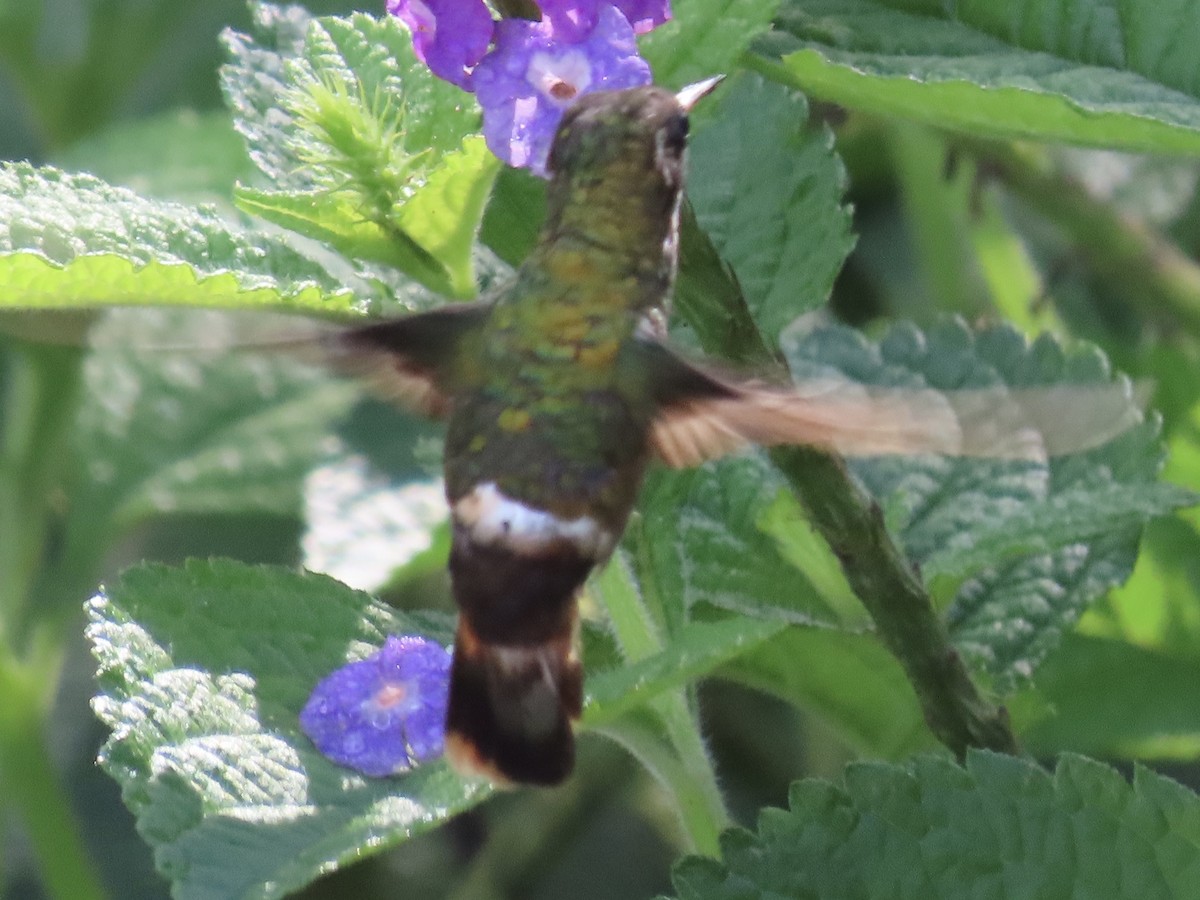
(511, 708)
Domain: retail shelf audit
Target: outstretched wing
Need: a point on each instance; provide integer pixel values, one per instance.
(701, 414)
(411, 360)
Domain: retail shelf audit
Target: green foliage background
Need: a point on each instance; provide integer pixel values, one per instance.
(908, 165)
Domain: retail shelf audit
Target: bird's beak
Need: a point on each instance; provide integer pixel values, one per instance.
(689, 95)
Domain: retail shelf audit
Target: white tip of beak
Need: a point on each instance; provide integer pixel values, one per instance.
(689, 95)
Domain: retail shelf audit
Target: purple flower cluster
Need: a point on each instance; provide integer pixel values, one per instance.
(384, 714)
(533, 70)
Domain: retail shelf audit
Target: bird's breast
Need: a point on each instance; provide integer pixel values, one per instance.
(531, 467)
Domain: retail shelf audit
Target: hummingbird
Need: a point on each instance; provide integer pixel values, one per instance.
(559, 389)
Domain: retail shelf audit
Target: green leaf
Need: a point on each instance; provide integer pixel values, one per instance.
(444, 214)
(1157, 607)
(787, 522)
(514, 214)
(181, 155)
(364, 148)
(188, 432)
(1022, 546)
(703, 38)
(702, 535)
(74, 242)
(193, 432)
(1113, 699)
(1078, 514)
(705, 292)
(1090, 73)
(694, 652)
(362, 526)
(730, 535)
(290, 49)
(203, 672)
(1001, 827)
(847, 679)
(773, 206)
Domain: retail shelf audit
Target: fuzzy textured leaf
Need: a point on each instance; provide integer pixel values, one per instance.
(772, 207)
(72, 242)
(195, 432)
(203, 671)
(694, 652)
(362, 525)
(1001, 827)
(703, 534)
(1012, 603)
(290, 46)
(362, 147)
(703, 38)
(1112, 74)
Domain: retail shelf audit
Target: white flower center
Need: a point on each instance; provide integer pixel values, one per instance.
(560, 78)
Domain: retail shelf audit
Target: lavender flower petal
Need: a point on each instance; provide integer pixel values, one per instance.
(449, 36)
(574, 18)
(645, 15)
(533, 75)
(384, 714)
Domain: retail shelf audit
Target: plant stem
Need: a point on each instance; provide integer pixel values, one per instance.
(936, 206)
(40, 401)
(31, 785)
(897, 602)
(1012, 278)
(876, 569)
(1146, 265)
(694, 783)
(640, 732)
(41, 391)
(687, 772)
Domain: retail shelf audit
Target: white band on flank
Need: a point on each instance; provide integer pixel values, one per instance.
(493, 518)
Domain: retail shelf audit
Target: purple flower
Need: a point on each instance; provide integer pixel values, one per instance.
(385, 714)
(449, 36)
(574, 18)
(534, 74)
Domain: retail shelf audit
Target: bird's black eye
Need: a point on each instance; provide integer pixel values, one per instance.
(675, 133)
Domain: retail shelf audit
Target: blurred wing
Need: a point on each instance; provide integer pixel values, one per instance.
(702, 415)
(409, 360)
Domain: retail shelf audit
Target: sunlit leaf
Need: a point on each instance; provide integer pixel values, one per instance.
(203, 672)
(362, 146)
(1078, 72)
